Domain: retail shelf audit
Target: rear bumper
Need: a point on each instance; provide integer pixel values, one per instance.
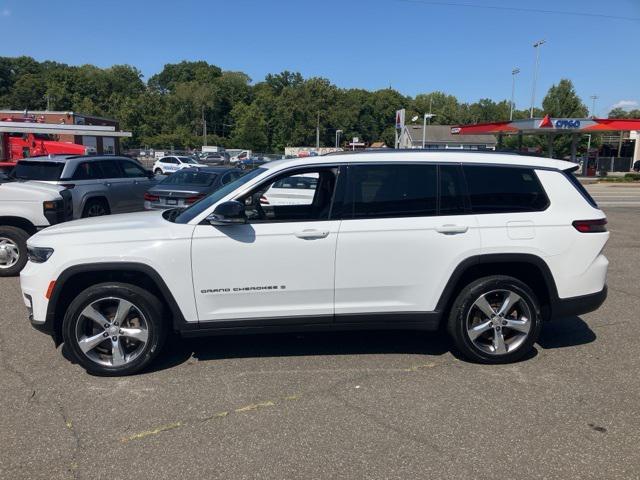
(566, 307)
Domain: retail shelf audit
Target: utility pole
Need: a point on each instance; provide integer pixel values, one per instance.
(514, 72)
(593, 97)
(338, 132)
(204, 128)
(537, 46)
(318, 130)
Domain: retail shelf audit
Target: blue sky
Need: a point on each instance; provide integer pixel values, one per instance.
(413, 45)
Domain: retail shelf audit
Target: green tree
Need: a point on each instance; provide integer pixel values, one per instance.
(562, 101)
(250, 128)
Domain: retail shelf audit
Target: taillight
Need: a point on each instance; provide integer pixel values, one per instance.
(591, 226)
(193, 199)
(150, 197)
(263, 200)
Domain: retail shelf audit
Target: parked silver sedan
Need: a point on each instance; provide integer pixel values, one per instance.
(99, 185)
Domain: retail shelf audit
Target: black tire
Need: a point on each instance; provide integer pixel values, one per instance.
(18, 237)
(464, 311)
(148, 304)
(95, 208)
(157, 171)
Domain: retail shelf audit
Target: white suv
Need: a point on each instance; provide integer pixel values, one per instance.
(488, 244)
(173, 163)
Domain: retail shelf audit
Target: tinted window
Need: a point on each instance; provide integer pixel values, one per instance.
(392, 191)
(168, 160)
(87, 171)
(452, 193)
(132, 170)
(504, 189)
(110, 169)
(229, 177)
(47, 171)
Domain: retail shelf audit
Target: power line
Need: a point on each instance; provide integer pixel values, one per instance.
(520, 9)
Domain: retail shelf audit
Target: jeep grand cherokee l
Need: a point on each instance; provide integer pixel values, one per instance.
(490, 245)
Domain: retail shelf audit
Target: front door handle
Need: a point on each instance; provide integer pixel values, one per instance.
(451, 229)
(106, 184)
(311, 234)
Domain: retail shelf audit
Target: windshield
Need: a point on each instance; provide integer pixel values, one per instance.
(197, 208)
(190, 177)
(187, 160)
(46, 171)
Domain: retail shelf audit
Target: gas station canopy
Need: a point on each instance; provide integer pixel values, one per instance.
(551, 127)
(548, 125)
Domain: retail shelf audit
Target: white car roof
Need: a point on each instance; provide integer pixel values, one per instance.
(425, 156)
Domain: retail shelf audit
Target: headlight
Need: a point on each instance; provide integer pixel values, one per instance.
(39, 254)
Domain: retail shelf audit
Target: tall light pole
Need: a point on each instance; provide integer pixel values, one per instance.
(424, 127)
(593, 105)
(338, 132)
(537, 46)
(514, 72)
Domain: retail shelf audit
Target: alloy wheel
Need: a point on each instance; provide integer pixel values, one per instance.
(112, 331)
(96, 210)
(499, 322)
(9, 253)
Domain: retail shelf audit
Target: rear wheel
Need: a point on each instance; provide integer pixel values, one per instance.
(114, 328)
(13, 250)
(157, 171)
(95, 208)
(495, 319)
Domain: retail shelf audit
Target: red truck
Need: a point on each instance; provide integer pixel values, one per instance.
(17, 145)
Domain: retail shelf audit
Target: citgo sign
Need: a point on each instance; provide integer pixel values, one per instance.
(567, 123)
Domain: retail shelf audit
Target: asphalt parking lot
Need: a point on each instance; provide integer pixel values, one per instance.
(343, 405)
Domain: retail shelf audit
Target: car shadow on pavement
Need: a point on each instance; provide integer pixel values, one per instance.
(565, 332)
(179, 350)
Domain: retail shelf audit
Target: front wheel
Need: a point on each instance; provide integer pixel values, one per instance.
(495, 319)
(114, 328)
(157, 171)
(13, 250)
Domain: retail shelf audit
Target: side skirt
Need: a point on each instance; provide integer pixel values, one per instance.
(428, 321)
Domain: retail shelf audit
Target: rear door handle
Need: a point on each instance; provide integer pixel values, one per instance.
(311, 234)
(451, 229)
(106, 184)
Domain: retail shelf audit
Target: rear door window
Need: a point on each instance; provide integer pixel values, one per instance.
(43, 171)
(110, 169)
(498, 189)
(452, 191)
(131, 170)
(377, 191)
(87, 171)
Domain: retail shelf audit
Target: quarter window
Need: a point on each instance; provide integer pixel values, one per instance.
(392, 191)
(504, 189)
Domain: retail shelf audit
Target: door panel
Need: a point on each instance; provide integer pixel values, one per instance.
(399, 264)
(264, 270)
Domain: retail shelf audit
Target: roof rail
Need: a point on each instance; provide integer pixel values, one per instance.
(420, 150)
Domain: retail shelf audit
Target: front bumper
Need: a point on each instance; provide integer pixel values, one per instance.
(567, 307)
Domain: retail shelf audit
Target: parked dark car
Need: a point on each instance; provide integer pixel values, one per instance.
(188, 186)
(251, 163)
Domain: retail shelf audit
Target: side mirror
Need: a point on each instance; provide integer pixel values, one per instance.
(228, 213)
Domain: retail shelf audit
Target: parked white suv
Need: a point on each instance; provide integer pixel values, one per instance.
(173, 163)
(26, 208)
(488, 244)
